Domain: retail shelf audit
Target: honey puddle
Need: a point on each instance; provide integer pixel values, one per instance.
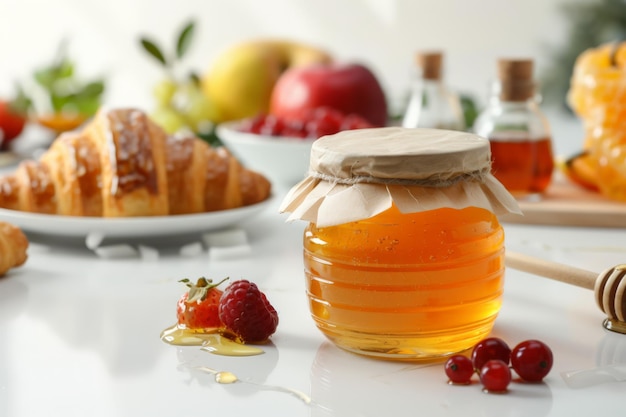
(209, 341)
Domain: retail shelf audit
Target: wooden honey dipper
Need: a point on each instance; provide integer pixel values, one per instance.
(609, 287)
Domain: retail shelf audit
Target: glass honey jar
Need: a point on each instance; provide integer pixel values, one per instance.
(403, 253)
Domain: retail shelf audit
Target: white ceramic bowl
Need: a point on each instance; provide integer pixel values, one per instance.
(283, 160)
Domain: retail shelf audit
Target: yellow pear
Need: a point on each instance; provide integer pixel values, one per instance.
(242, 77)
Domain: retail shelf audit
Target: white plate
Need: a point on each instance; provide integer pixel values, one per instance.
(130, 227)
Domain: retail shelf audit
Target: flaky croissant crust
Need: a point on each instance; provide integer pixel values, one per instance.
(13, 247)
(122, 164)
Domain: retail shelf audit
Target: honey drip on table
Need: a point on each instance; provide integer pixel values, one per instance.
(210, 340)
(225, 377)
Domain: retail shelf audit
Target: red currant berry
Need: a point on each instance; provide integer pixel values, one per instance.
(490, 348)
(328, 115)
(495, 376)
(294, 133)
(531, 360)
(254, 125)
(459, 369)
(318, 128)
(273, 126)
(295, 128)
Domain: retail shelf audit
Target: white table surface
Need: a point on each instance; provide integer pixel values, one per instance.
(79, 336)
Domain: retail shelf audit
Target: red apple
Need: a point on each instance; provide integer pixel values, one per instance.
(350, 88)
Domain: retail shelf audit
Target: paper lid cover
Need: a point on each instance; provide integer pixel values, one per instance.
(357, 174)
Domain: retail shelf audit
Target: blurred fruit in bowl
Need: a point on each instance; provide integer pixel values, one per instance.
(280, 147)
(284, 160)
(241, 79)
(180, 102)
(348, 87)
(312, 124)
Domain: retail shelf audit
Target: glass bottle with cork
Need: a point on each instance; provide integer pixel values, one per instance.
(518, 131)
(432, 104)
(403, 252)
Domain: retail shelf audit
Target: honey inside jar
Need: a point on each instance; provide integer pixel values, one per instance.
(403, 253)
(407, 285)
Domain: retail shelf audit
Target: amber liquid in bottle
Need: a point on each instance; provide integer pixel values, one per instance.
(407, 286)
(518, 131)
(523, 166)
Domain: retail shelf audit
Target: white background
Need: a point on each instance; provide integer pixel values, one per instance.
(385, 34)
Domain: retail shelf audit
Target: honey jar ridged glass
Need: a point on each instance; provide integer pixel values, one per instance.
(390, 281)
(408, 285)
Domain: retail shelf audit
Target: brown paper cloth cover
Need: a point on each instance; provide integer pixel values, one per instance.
(357, 174)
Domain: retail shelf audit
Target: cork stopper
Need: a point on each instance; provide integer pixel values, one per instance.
(516, 79)
(431, 64)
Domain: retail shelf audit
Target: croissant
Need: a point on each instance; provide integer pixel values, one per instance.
(13, 246)
(122, 164)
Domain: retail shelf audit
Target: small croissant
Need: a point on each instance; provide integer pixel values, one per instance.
(122, 164)
(13, 246)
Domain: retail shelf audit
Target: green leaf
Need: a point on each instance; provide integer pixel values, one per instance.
(154, 50)
(85, 101)
(59, 102)
(211, 137)
(184, 39)
(200, 290)
(92, 89)
(65, 69)
(47, 77)
(470, 109)
(21, 103)
(87, 106)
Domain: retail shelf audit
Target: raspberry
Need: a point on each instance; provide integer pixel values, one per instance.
(246, 313)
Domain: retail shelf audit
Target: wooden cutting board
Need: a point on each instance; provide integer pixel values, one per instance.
(566, 204)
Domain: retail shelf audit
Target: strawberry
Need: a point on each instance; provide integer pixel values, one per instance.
(198, 308)
(246, 313)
